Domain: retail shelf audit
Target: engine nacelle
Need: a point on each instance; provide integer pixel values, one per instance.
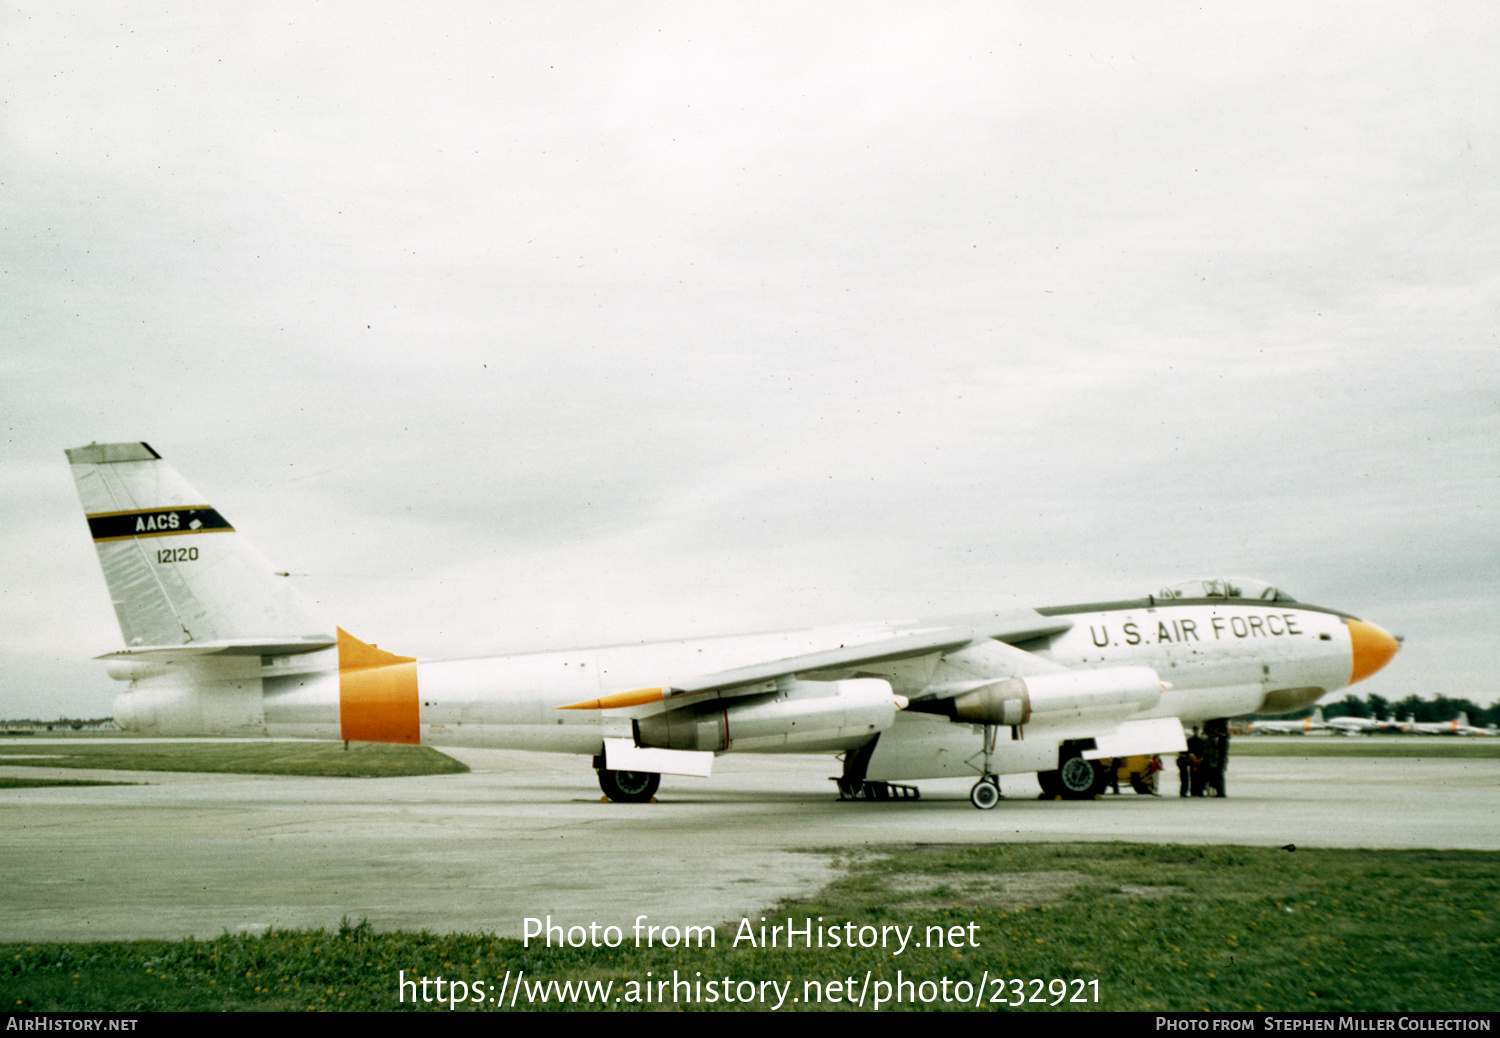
(804, 715)
(1112, 692)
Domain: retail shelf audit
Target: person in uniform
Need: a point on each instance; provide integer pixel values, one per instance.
(1196, 748)
(1216, 754)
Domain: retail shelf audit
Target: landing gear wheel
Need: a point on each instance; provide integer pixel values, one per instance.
(1050, 782)
(985, 794)
(1080, 779)
(629, 787)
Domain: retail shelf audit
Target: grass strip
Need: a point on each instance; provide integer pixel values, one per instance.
(1160, 927)
(11, 782)
(330, 759)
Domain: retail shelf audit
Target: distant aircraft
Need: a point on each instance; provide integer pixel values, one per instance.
(1315, 723)
(1360, 725)
(217, 643)
(1457, 726)
(1465, 728)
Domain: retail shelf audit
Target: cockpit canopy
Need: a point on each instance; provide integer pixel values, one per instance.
(1225, 587)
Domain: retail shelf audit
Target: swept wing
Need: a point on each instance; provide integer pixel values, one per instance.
(759, 678)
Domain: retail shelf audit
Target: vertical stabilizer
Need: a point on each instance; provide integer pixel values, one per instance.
(178, 573)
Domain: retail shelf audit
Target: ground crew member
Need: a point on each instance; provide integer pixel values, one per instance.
(1216, 754)
(1149, 780)
(1196, 748)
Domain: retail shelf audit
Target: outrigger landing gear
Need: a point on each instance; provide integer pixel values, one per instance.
(986, 792)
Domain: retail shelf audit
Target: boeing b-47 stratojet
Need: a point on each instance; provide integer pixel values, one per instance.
(217, 644)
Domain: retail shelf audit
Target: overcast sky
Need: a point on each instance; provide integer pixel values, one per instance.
(518, 326)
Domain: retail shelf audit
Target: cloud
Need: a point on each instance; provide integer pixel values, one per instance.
(517, 330)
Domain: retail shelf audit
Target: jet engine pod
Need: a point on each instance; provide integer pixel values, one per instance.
(802, 715)
(1042, 698)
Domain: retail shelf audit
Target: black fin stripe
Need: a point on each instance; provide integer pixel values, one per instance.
(157, 522)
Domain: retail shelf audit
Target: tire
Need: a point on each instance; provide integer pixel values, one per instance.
(984, 795)
(629, 787)
(1081, 779)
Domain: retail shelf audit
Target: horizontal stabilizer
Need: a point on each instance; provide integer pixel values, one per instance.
(221, 647)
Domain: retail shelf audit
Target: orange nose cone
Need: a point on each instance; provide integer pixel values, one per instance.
(1372, 649)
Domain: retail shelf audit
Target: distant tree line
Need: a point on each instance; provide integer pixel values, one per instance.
(1443, 708)
(61, 722)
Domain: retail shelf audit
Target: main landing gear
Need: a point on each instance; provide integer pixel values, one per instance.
(629, 787)
(1075, 778)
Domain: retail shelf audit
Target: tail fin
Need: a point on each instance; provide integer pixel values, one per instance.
(1317, 716)
(182, 581)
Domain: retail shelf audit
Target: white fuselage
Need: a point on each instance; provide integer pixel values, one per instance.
(1214, 660)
